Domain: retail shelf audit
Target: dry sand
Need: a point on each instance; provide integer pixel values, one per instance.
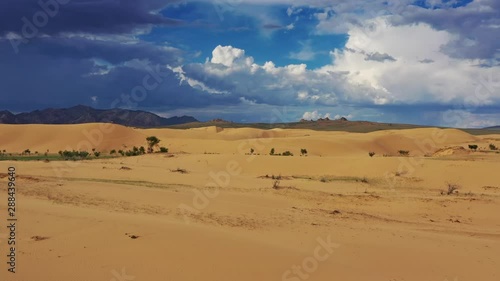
(337, 213)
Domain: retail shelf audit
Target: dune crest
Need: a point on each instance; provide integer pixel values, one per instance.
(105, 137)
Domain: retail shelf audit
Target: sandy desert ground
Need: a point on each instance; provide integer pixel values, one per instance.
(336, 214)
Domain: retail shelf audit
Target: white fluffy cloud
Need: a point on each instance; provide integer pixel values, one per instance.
(382, 64)
(315, 115)
(419, 71)
(338, 116)
(376, 67)
(227, 55)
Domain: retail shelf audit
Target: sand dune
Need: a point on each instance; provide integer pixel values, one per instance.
(16, 138)
(104, 137)
(381, 218)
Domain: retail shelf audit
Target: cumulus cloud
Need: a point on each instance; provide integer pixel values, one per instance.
(447, 80)
(314, 115)
(351, 78)
(226, 55)
(238, 74)
(348, 117)
(474, 26)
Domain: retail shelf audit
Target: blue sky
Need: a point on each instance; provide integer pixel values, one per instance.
(431, 62)
(214, 24)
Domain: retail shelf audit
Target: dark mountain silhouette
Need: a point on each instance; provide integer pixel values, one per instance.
(84, 114)
(489, 128)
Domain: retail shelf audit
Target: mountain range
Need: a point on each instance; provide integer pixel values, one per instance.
(136, 118)
(85, 114)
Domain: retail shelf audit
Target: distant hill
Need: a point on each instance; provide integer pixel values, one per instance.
(84, 114)
(320, 125)
(326, 124)
(493, 128)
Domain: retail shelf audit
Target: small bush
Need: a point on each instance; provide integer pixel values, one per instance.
(163, 150)
(404, 152)
(251, 151)
(179, 170)
(452, 188)
(493, 147)
(272, 151)
(287, 153)
(112, 152)
(276, 184)
(371, 154)
(303, 151)
(97, 153)
(473, 146)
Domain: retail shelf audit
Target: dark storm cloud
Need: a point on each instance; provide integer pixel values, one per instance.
(83, 16)
(114, 52)
(50, 74)
(477, 27)
(89, 57)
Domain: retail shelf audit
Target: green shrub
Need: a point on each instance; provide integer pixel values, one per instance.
(404, 152)
(473, 146)
(163, 150)
(152, 142)
(74, 155)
